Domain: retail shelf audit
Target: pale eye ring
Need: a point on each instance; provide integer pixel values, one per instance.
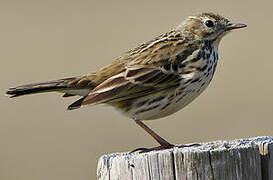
(209, 23)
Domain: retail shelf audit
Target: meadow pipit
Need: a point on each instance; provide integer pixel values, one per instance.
(155, 79)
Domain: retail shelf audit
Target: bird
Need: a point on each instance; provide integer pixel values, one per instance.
(153, 80)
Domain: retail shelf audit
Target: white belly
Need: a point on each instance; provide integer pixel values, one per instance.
(167, 106)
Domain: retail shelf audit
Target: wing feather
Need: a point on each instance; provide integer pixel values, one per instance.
(134, 82)
(152, 76)
(146, 69)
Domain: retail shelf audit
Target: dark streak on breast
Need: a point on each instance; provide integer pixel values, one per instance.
(179, 99)
(174, 67)
(141, 103)
(170, 98)
(167, 67)
(202, 68)
(203, 84)
(197, 58)
(148, 109)
(195, 80)
(156, 100)
(165, 106)
(209, 68)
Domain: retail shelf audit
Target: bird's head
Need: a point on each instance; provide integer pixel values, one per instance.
(208, 26)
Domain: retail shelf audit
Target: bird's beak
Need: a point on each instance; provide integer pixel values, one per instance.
(231, 26)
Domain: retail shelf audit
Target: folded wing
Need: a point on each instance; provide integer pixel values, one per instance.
(135, 81)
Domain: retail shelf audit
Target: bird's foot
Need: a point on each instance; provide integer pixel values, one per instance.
(188, 145)
(144, 150)
(158, 148)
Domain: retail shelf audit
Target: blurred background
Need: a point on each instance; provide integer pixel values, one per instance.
(44, 40)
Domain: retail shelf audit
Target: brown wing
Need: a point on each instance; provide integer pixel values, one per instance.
(134, 82)
(154, 53)
(150, 67)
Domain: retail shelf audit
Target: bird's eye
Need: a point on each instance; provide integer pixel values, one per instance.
(209, 23)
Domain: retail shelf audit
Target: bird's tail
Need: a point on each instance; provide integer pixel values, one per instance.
(61, 85)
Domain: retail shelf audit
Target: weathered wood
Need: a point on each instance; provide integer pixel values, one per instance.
(243, 159)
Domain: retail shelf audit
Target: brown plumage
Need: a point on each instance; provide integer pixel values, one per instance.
(155, 79)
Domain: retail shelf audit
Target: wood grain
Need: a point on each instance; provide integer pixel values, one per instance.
(243, 159)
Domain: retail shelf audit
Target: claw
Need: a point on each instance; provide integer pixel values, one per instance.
(138, 149)
(158, 148)
(187, 145)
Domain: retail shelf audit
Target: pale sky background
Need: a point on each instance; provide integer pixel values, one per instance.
(44, 40)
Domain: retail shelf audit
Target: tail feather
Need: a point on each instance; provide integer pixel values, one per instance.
(77, 104)
(69, 86)
(68, 95)
(57, 85)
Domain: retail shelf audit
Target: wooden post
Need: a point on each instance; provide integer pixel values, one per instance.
(243, 159)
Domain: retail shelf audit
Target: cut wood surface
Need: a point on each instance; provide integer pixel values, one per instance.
(243, 159)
